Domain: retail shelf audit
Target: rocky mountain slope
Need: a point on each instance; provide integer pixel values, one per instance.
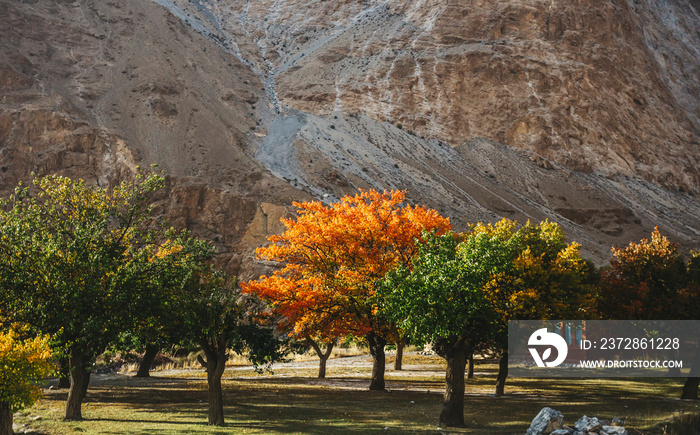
(587, 113)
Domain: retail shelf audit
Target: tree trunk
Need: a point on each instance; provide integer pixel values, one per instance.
(216, 399)
(147, 362)
(690, 389)
(215, 365)
(5, 419)
(376, 349)
(322, 366)
(63, 374)
(452, 414)
(79, 379)
(323, 356)
(470, 370)
(502, 374)
(399, 353)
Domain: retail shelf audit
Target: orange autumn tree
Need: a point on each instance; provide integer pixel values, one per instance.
(333, 256)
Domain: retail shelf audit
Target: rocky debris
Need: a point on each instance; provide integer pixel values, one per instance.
(587, 424)
(94, 108)
(613, 430)
(547, 421)
(551, 422)
(27, 430)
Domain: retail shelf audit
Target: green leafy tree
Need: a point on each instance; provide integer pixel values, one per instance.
(152, 333)
(214, 314)
(77, 262)
(219, 319)
(461, 291)
(22, 363)
(156, 328)
(438, 298)
(144, 342)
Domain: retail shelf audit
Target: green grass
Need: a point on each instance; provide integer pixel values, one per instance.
(292, 401)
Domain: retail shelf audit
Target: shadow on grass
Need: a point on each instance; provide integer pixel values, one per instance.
(344, 405)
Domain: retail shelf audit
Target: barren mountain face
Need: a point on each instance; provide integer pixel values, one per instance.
(587, 113)
(607, 86)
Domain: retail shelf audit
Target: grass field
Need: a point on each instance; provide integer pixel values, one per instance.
(292, 401)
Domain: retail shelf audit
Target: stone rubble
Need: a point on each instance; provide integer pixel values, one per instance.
(551, 422)
(588, 424)
(547, 421)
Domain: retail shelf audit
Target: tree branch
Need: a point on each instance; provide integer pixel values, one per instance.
(201, 361)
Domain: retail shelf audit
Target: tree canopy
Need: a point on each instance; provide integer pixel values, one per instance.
(216, 316)
(531, 273)
(460, 291)
(650, 280)
(76, 263)
(438, 298)
(333, 255)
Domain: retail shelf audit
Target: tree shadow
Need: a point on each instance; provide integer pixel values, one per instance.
(345, 405)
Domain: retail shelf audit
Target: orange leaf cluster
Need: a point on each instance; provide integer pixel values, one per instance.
(334, 254)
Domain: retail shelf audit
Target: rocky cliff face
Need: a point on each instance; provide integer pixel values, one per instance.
(587, 113)
(92, 89)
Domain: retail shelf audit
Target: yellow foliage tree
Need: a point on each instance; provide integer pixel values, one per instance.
(533, 273)
(22, 362)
